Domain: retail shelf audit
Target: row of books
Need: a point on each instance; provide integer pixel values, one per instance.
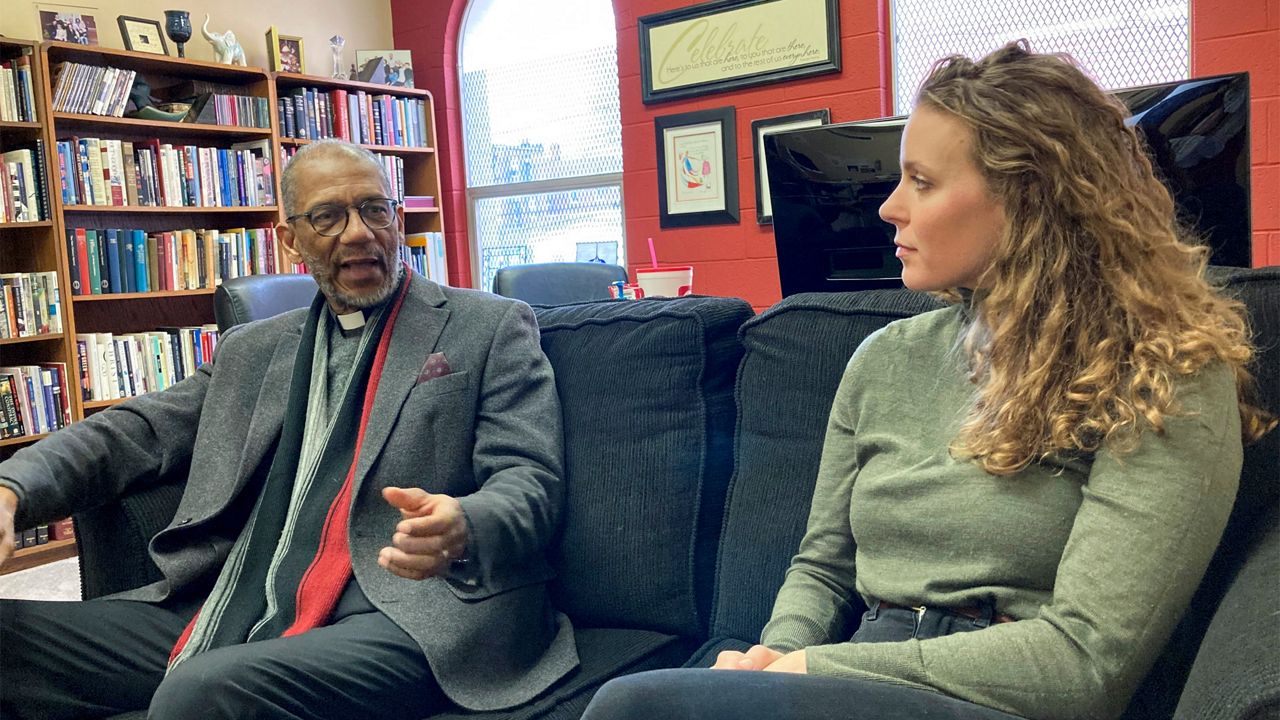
(42, 534)
(91, 89)
(151, 173)
(22, 177)
(393, 164)
(313, 114)
(424, 252)
(130, 260)
(17, 100)
(228, 109)
(120, 366)
(33, 399)
(30, 304)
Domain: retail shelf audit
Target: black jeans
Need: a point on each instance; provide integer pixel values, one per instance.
(696, 694)
(104, 657)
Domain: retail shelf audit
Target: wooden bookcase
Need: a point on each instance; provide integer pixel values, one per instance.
(29, 247)
(421, 164)
(140, 312)
(34, 247)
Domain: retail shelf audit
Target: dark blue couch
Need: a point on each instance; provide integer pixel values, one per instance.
(693, 432)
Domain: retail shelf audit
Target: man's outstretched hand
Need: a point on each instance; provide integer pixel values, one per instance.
(8, 508)
(431, 534)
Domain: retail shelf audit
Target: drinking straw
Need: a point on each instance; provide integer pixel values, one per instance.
(653, 257)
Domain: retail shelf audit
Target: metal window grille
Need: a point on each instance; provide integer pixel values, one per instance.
(542, 131)
(582, 225)
(1122, 43)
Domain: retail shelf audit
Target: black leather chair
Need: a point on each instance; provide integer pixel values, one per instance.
(557, 283)
(254, 297)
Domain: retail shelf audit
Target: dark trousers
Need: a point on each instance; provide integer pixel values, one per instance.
(104, 657)
(697, 694)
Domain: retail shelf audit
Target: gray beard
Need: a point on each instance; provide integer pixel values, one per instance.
(324, 278)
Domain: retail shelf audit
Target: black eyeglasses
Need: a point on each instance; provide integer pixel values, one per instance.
(330, 220)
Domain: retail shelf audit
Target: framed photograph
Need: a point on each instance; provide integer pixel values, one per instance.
(142, 35)
(769, 126)
(284, 52)
(68, 27)
(385, 67)
(697, 168)
(732, 44)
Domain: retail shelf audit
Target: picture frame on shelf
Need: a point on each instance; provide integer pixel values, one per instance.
(142, 35)
(285, 53)
(768, 126)
(395, 68)
(73, 27)
(697, 168)
(733, 44)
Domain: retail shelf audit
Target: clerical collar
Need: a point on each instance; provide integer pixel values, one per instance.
(352, 320)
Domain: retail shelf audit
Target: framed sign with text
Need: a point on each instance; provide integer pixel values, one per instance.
(730, 44)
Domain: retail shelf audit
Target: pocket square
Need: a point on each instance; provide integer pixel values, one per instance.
(435, 366)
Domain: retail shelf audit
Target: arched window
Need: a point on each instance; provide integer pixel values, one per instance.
(542, 132)
(1122, 43)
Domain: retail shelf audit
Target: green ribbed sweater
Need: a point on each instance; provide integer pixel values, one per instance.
(1097, 557)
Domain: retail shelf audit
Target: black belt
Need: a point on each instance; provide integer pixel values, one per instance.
(973, 613)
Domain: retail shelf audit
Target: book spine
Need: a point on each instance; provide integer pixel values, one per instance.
(42, 181)
(84, 366)
(82, 261)
(73, 262)
(140, 271)
(64, 174)
(10, 418)
(95, 274)
(153, 264)
(112, 256)
(128, 278)
(131, 186)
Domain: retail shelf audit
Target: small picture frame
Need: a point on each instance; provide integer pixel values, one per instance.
(285, 52)
(768, 126)
(71, 27)
(385, 67)
(697, 168)
(142, 35)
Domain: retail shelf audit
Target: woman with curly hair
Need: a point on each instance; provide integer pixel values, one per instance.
(1025, 487)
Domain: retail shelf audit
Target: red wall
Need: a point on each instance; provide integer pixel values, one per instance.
(739, 260)
(430, 31)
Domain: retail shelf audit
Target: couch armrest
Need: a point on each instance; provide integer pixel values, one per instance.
(1237, 669)
(113, 540)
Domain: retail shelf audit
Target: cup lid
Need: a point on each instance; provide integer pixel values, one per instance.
(669, 268)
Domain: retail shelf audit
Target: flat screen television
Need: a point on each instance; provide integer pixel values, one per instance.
(827, 183)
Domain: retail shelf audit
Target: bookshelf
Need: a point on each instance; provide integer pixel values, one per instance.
(37, 555)
(33, 247)
(421, 169)
(167, 181)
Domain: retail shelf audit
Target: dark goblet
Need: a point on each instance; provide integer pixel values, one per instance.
(177, 24)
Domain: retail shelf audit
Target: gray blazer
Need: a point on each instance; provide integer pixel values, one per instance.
(489, 433)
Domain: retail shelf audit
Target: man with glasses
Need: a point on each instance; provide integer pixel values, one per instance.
(370, 487)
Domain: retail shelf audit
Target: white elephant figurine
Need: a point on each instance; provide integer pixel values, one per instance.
(225, 47)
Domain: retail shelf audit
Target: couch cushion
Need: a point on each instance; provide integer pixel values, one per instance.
(1237, 670)
(647, 395)
(796, 352)
(1255, 507)
(1259, 290)
(603, 655)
